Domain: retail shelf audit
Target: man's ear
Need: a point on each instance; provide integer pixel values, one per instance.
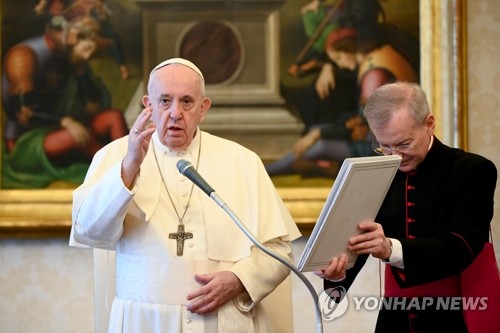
(205, 105)
(430, 123)
(145, 101)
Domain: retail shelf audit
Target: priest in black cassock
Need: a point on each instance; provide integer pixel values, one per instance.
(434, 219)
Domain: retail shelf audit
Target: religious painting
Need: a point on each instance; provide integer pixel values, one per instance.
(69, 70)
(268, 67)
(334, 53)
(280, 64)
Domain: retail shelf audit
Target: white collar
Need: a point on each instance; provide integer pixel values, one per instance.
(430, 143)
(193, 146)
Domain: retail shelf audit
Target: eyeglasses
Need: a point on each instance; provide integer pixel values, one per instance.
(418, 133)
(387, 150)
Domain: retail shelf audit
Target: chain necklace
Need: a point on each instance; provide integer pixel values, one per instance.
(181, 234)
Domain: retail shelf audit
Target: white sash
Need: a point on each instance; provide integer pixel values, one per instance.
(157, 281)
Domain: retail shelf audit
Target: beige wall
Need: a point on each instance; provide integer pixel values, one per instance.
(46, 287)
(484, 86)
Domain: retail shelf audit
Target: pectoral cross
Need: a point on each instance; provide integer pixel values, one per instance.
(180, 236)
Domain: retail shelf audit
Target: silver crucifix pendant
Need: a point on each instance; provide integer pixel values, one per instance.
(180, 236)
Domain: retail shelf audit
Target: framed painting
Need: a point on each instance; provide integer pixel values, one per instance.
(46, 211)
(68, 67)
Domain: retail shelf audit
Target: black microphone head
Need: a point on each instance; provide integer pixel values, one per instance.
(183, 165)
(187, 169)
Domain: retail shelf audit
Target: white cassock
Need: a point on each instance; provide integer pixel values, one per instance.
(152, 282)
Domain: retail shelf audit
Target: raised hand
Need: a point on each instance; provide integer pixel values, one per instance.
(138, 144)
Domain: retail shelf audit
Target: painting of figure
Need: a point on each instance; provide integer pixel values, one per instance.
(348, 49)
(57, 108)
(72, 72)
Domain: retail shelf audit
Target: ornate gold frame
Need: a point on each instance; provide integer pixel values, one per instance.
(47, 213)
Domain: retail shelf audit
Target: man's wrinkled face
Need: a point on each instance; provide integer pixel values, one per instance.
(178, 105)
(404, 136)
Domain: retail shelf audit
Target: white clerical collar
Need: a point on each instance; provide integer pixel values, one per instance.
(430, 143)
(193, 146)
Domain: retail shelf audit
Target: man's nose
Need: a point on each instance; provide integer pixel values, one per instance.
(176, 112)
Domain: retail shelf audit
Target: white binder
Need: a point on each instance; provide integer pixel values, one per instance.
(356, 195)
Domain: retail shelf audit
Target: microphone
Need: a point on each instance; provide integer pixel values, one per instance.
(187, 169)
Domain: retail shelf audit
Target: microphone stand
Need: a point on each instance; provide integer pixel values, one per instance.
(223, 205)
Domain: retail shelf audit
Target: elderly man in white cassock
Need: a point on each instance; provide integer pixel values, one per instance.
(182, 264)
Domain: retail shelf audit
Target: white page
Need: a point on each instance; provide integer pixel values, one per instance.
(356, 195)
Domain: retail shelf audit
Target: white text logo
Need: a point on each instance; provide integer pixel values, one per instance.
(331, 309)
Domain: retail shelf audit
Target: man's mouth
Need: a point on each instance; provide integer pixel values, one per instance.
(175, 132)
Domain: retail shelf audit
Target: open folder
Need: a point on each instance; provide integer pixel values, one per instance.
(356, 195)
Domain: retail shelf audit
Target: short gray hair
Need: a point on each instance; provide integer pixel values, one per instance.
(387, 99)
